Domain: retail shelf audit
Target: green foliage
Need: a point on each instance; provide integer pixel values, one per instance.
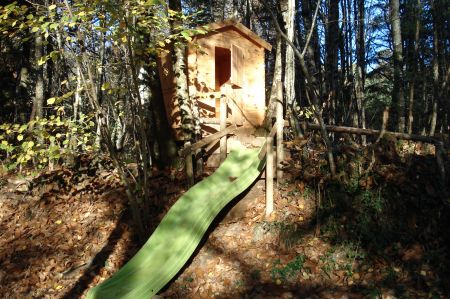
(306, 113)
(341, 257)
(120, 24)
(45, 141)
(291, 269)
(372, 201)
(378, 92)
(329, 263)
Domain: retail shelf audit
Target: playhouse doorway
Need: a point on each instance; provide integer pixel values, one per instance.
(222, 66)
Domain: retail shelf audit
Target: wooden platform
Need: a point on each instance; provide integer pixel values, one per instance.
(244, 138)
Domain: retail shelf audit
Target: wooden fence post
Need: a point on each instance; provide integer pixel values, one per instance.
(269, 175)
(223, 125)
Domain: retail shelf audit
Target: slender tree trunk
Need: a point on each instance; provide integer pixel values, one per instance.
(167, 149)
(424, 118)
(398, 99)
(276, 80)
(361, 65)
(331, 63)
(248, 14)
(181, 83)
(349, 34)
(312, 91)
(22, 87)
(413, 66)
(312, 50)
(77, 99)
(436, 100)
(38, 102)
(289, 70)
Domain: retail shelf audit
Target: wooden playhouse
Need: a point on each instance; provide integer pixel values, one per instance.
(227, 62)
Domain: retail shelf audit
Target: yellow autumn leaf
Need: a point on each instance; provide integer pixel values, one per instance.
(106, 86)
(20, 137)
(58, 221)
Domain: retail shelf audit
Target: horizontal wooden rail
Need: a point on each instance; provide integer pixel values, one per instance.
(439, 144)
(358, 131)
(212, 121)
(207, 140)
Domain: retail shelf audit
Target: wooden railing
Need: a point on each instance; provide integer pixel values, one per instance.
(189, 151)
(267, 150)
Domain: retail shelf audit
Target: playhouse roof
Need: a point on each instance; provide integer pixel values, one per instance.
(241, 29)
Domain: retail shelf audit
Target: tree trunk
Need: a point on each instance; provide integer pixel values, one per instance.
(38, 102)
(398, 100)
(77, 99)
(22, 86)
(311, 91)
(413, 65)
(436, 100)
(361, 65)
(167, 149)
(276, 80)
(181, 84)
(289, 68)
(331, 62)
(312, 49)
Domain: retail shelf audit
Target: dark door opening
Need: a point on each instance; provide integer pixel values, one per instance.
(222, 67)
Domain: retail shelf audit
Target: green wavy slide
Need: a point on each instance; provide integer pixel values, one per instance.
(181, 230)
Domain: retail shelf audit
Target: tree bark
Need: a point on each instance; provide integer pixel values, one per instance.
(435, 66)
(398, 100)
(276, 80)
(414, 53)
(361, 65)
(289, 67)
(331, 60)
(181, 83)
(167, 149)
(311, 91)
(38, 102)
(311, 51)
(22, 86)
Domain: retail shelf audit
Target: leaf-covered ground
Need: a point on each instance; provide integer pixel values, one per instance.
(381, 231)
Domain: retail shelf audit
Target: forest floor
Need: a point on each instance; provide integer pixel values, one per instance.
(381, 231)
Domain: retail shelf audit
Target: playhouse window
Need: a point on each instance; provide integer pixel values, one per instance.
(223, 66)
